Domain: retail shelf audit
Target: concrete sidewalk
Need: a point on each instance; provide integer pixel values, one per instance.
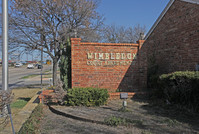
(21, 117)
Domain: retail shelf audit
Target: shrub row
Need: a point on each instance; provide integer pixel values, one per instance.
(180, 88)
(86, 97)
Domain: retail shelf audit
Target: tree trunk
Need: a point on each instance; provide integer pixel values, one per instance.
(55, 63)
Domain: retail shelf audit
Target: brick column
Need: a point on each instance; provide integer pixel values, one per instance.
(75, 43)
(140, 43)
(142, 65)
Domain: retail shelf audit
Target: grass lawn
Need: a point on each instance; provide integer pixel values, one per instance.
(20, 103)
(21, 98)
(47, 74)
(29, 76)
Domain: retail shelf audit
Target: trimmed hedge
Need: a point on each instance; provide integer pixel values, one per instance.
(180, 88)
(86, 97)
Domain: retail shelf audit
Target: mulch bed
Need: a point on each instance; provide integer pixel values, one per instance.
(90, 120)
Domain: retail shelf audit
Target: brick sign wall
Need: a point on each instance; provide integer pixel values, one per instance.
(103, 65)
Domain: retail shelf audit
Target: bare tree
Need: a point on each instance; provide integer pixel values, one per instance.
(133, 34)
(46, 24)
(121, 34)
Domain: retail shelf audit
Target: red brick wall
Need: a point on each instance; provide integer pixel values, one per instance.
(174, 43)
(111, 73)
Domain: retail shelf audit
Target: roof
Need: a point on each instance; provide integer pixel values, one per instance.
(164, 12)
(192, 1)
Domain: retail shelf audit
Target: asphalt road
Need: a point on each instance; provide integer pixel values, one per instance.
(15, 75)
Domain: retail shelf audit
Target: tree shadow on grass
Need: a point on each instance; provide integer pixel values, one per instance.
(130, 124)
(109, 108)
(72, 116)
(24, 98)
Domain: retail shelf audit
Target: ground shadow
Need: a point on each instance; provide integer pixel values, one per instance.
(109, 108)
(25, 99)
(135, 78)
(14, 84)
(131, 124)
(130, 81)
(72, 116)
(37, 100)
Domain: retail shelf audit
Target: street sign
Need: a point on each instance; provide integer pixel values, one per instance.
(123, 95)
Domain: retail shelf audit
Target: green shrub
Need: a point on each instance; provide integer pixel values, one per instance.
(65, 64)
(180, 88)
(86, 96)
(114, 121)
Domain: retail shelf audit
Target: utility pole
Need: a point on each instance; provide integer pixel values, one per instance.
(5, 45)
(5, 54)
(41, 65)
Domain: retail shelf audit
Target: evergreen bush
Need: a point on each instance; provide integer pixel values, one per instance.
(180, 87)
(86, 97)
(65, 64)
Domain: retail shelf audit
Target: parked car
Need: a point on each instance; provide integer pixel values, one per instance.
(39, 66)
(36, 65)
(18, 65)
(30, 66)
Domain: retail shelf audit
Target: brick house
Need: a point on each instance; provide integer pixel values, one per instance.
(172, 44)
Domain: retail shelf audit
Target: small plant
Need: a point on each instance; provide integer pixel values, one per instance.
(115, 121)
(86, 96)
(123, 109)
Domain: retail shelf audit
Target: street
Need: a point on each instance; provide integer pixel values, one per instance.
(15, 75)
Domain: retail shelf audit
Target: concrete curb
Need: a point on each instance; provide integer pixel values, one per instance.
(21, 117)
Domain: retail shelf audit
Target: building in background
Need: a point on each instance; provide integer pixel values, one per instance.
(172, 44)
